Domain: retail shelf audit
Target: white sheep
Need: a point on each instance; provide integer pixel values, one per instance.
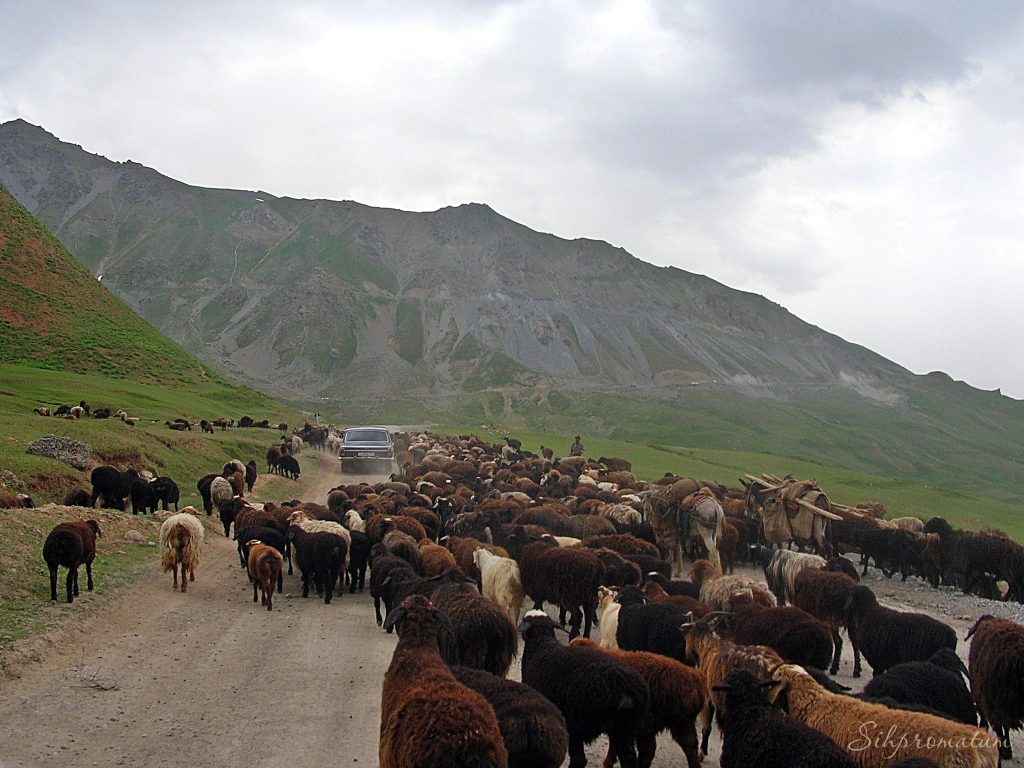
(354, 522)
(501, 582)
(181, 539)
(220, 491)
(608, 616)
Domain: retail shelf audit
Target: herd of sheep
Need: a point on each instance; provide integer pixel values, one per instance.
(470, 535)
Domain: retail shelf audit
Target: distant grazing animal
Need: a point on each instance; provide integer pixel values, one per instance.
(181, 538)
(41, 411)
(178, 426)
(77, 497)
(289, 467)
(69, 545)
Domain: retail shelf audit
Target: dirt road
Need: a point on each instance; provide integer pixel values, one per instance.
(210, 679)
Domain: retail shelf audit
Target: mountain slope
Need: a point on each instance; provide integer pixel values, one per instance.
(463, 314)
(58, 316)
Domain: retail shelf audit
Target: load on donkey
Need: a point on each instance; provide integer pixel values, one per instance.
(791, 511)
(684, 512)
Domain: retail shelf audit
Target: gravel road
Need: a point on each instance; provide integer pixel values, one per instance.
(210, 679)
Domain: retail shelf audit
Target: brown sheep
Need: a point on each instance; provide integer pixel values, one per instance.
(71, 544)
(264, 567)
(996, 664)
(435, 558)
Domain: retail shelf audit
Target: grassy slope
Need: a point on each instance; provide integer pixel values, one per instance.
(900, 495)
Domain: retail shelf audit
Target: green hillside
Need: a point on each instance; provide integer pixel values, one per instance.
(55, 315)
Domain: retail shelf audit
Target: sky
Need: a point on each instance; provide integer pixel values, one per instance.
(860, 163)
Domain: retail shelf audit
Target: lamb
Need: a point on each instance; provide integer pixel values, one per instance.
(532, 728)
(501, 582)
(678, 696)
(798, 637)
(265, 565)
(427, 716)
(757, 736)
(567, 577)
(181, 539)
(874, 735)
(595, 693)
(996, 663)
(110, 486)
(71, 544)
(782, 569)
(937, 684)
(887, 637)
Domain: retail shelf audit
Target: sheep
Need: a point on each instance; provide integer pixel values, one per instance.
(250, 475)
(42, 411)
(618, 572)
(358, 560)
(463, 550)
(798, 637)
(320, 557)
(273, 459)
(166, 491)
(143, 497)
(427, 716)
(403, 545)
(101, 413)
(874, 735)
(608, 616)
(716, 657)
(435, 559)
(206, 426)
(265, 565)
(823, 594)
(71, 544)
(616, 464)
(77, 497)
(482, 634)
(757, 736)
(937, 683)
(110, 486)
(654, 627)
(181, 539)
(623, 543)
(678, 696)
(76, 412)
(501, 582)
(595, 693)
(203, 486)
(289, 467)
(265, 535)
(220, 491)
(178, 426)
(782, 568)
(887, 637)
(674, 586)
(715, 590)
(532, 728)
(996, 664)
(567, 577)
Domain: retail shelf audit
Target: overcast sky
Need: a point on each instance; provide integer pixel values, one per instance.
(862, 164)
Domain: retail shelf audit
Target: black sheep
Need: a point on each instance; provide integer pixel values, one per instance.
(77, 497)
(166, 492)
(798, 637)
(111, 486)
(382, 564)
(321, 558)
(289, 467)
(937, 683)
(890, 549)
(675, 586)
(532, 728)
(887, 637)
(69, 545)
(203, 486)
(269, 536)
(143, 497)
(250, 475)
(595, 693)
(653, 627)
(358, 560)
(757, 736)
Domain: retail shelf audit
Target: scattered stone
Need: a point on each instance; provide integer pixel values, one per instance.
(63, 449)
(11, 480)
(135, 536)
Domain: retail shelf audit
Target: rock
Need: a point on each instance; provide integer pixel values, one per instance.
(63, 449)
(11, 480)
(135, 536)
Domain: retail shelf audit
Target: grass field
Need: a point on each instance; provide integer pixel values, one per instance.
(900, 495)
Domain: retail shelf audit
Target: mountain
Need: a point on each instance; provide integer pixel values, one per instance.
(464, 314)
(57, 316)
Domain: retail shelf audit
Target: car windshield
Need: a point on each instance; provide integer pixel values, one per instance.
(366, 436)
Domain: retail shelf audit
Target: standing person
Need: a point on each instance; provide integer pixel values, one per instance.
(576, 449)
